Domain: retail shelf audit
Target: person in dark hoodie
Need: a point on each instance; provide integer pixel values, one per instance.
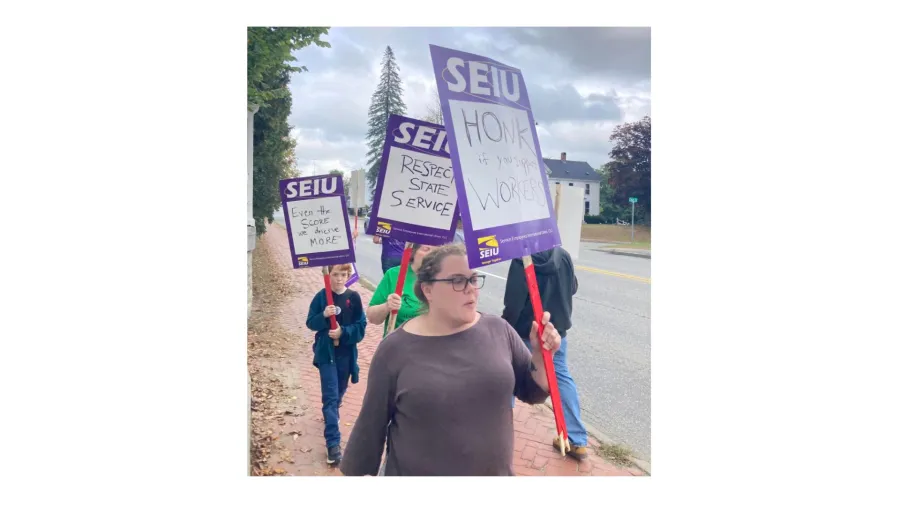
(557, 283)
(337, 364)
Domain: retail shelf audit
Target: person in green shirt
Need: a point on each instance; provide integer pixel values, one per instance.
(384, 300)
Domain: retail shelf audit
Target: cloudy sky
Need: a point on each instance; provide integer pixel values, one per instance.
(582, 83)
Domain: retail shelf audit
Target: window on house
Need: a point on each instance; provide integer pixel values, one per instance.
(587, 189)
(571, 184)
(587, 208)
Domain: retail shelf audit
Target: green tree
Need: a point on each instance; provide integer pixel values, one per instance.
(268, 75)
(629, 167)
(268, 55)
(387, 100)
(609, 210)
(336, 172)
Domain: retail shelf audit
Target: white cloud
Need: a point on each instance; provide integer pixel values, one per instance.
(316, 154)
(585, 141)
(577, 98)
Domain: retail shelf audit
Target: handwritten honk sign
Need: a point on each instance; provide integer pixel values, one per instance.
(415, 194)
(315, 212)
(498, 169)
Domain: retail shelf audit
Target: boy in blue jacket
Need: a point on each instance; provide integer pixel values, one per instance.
(336, 364)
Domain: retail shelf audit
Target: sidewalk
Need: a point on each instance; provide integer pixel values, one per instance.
(287, 400)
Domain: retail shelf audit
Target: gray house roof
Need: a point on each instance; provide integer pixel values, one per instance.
(570, 169)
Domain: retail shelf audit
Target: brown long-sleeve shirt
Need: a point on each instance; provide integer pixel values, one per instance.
(447, 399)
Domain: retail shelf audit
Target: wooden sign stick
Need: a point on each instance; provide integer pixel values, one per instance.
(556, 204)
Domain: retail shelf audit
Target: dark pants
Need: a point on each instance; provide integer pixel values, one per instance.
(389, 263)
(334, 378)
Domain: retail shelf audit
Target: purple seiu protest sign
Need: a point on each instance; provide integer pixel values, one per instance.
(315, 215)
(415, 195)
(504, 195)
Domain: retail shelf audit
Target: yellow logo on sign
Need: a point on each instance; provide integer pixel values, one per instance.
(488, 247)
(489, 241)
(302, 260)
(383, 228)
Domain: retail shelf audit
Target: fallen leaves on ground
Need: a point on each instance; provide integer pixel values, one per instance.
(267, 344)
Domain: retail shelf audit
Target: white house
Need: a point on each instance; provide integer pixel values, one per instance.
(573, 173)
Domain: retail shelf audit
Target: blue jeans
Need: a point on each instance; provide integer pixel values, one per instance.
(334, 378)
(568, 395)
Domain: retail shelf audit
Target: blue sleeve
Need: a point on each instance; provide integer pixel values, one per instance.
(356, 331)
(315, 320)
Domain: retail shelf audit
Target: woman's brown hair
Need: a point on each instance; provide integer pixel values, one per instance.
(431, 266)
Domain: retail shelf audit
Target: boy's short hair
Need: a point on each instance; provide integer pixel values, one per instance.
(341, 267)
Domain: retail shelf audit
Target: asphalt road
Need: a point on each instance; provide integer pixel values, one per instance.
(609, 347)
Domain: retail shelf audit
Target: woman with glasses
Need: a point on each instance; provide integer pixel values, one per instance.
(439, 387)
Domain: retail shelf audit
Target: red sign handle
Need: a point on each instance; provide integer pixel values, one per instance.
(535, 296)
(401, 280)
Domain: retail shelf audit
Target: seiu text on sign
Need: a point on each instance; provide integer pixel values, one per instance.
(311, 188)
(501, 81)
(422, 137)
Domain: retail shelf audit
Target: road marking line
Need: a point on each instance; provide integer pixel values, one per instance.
(489, 274)
(611, 273)
(589, 269)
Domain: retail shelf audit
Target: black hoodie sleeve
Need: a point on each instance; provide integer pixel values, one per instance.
(574, 283)
(516, 292)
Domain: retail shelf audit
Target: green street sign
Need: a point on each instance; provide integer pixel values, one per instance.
(632, 199)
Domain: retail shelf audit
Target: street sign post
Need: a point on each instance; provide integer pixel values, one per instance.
(632, 200)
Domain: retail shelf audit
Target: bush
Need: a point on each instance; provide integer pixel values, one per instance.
(593, 219)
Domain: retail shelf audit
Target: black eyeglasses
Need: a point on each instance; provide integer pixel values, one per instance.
(459, 281)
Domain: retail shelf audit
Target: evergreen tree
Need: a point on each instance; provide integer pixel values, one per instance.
(387, 100)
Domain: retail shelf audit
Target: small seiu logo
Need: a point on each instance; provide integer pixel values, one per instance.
(383, 228)
(302, 261)
(488, 247)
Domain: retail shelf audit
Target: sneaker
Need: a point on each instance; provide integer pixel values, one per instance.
(578, 453)
(333, 456)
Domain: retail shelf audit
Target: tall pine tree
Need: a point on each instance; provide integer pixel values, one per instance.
(387, 100)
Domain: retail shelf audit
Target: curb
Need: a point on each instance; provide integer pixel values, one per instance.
(643, 465)
(366, 283)
(625, 252)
